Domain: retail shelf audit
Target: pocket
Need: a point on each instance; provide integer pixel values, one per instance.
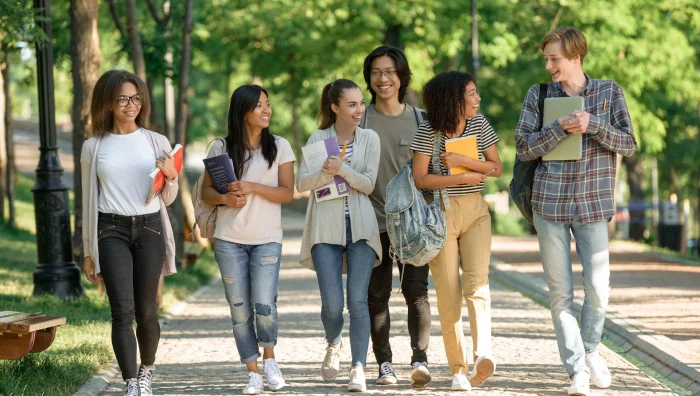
(153, 230)
(101, 234)
(406, 141)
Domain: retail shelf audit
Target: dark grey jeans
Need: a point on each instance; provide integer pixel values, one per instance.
(132, 250)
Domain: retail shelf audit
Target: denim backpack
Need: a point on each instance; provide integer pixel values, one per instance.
(524, 172)
(416, 229)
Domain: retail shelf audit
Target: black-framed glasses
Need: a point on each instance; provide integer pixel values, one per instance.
(388, 73)
(123, 100)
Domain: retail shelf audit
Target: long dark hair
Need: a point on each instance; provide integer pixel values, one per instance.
(400, 64)
(443, 98)
(104, 98)
(244, 100)
(331, 94)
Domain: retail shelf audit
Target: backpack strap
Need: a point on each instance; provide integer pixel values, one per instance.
(540, 103)
(420, 115)
(363, 120)
(442, 192)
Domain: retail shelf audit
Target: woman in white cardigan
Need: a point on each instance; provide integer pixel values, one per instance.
(341, 235)
(128, 242)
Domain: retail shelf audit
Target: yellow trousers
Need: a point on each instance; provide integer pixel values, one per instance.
(469, 242)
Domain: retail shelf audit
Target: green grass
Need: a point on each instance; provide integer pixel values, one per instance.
(82, 347)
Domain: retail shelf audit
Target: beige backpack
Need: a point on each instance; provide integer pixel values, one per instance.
(204, 213)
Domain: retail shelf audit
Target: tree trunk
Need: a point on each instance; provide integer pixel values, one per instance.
(135, 40)
(296, 133)
(392, 36)
(635, 178)
(9, 145)
(154, 122)
(178, 214)
(85, 59)
(475, 40)
(3, 132)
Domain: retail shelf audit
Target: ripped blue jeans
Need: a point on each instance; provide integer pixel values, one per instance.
(250, 274)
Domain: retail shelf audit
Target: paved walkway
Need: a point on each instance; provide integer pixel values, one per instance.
(662, 295)
(197, 355)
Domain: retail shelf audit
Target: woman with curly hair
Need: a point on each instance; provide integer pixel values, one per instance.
(452, 104)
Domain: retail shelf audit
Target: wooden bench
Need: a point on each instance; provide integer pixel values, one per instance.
(21, 333)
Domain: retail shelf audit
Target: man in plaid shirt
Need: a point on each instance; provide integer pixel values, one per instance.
(576, 196)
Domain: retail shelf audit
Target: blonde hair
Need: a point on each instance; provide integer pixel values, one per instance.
(573, 42)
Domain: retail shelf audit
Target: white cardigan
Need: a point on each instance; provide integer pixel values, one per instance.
(325, 221)
(88, 165)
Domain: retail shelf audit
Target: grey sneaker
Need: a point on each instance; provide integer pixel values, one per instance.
(387, 375)
(358, 382)
(331, 363)
(273, 374)
(420, 375)
(132, 388)
(145, 379)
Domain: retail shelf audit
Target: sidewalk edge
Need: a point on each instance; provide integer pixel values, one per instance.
(103, 378)
(629, 336)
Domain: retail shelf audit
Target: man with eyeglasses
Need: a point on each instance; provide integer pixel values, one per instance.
(388, 75)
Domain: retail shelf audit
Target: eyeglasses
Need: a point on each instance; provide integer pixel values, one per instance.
(123, 100)
(389, 73)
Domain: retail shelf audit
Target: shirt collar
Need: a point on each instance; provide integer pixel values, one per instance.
(586, 90)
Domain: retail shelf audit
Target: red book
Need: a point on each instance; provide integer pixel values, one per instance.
(158, 178)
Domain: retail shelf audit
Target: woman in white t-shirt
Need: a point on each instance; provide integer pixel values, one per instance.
(248, 233)
(127, 241)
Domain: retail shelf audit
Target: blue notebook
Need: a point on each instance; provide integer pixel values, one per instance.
(220, 170)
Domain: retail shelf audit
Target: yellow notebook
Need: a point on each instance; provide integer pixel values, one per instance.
(465, 146)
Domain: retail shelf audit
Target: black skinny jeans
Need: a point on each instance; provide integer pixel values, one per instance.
(415, 292)
(132, 250)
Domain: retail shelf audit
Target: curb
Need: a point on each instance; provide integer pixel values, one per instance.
(102, 379)
(631, 336)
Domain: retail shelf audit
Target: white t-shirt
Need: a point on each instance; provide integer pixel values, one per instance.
(260, 220)
(123, 167)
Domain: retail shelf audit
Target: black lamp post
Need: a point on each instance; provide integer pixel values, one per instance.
(56, 273)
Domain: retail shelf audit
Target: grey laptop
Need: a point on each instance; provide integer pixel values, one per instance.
(569, 149)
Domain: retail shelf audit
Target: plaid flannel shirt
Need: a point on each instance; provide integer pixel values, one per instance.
(567, 191)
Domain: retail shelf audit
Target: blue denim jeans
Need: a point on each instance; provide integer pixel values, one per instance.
(250, 274)
(592, 250)
(328, 261)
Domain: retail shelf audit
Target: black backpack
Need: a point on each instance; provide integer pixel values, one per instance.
(524, 172)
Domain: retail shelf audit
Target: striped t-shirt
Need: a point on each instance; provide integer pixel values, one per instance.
(485, 138)
(348, 155)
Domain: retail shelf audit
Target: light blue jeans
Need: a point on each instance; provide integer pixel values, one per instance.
(328, 261)
(250, 274)
(592, 250)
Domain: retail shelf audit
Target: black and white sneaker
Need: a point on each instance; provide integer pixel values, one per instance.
(387, 375)
(145, 379)
(132, 388)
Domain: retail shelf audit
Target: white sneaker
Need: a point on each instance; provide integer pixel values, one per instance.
(600, 375)
(579, 384)
(273, 374)
(255, 384)
(460, 383)
(420, 375)
(358, 382)
(484, 367)
(331, 363)
(132, 387)
(387, 375)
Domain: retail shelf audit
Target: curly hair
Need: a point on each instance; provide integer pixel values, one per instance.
(104, 98)
(444, 100)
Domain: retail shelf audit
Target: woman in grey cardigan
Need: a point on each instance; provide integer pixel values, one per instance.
(341, 235)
